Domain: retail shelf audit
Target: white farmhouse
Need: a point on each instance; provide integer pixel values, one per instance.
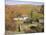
(22, 18)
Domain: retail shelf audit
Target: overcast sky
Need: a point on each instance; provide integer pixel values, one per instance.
(14, 2)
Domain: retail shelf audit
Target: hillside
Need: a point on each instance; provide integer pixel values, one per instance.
(13, 10)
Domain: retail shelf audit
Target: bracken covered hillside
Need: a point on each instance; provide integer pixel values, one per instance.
(13, 10)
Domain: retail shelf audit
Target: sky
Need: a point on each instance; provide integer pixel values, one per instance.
(14, 2)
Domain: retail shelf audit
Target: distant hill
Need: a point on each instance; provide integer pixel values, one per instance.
(23, 9)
